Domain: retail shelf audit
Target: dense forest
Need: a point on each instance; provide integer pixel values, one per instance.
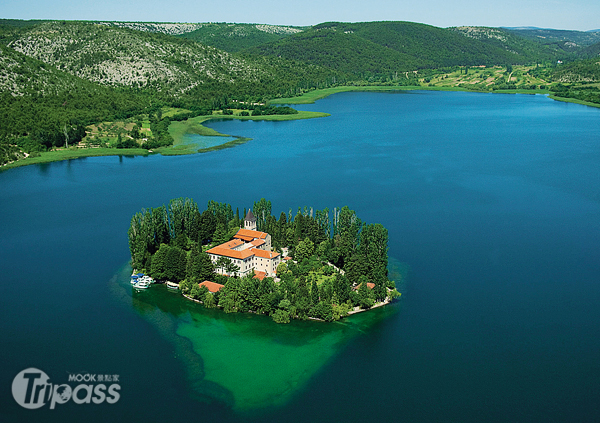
(339, 262)
(62, 81)
(235, 37)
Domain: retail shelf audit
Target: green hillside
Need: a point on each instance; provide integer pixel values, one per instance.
(579, 81)
(160, 65)
(343, 52)
(39, 103)
(384, 48)
(235, 37)
(529, 50)
(579, 72)
(569, 40)
(591, 51)
(431, 45)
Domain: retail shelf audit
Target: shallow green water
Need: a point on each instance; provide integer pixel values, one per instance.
(243, 360)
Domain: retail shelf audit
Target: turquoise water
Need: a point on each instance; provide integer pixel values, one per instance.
(491, 201)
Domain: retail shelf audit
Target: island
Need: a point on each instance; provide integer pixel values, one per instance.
(315, 264)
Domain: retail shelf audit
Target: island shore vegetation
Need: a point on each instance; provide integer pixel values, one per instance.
(337, 265)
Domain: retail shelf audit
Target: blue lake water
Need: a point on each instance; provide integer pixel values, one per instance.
(492, 201)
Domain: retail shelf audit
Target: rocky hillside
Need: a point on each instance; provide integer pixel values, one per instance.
(164, 28)
(21, 75)
(115, 56)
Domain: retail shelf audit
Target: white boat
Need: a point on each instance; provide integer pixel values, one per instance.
(142, 284)
(172, 285)
(146, 278)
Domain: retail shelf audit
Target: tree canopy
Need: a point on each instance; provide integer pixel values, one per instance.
(339, 262)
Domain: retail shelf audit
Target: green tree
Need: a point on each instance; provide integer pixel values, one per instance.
(304, 249)
(364, 294)
(261, 210)
(175, 264)
(135, 132)
(221, 234)
(199, 266)
(281, 316)
(159, 263)
(209, 300)
(314, 292)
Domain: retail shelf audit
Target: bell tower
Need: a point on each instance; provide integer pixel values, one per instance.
(250, 221)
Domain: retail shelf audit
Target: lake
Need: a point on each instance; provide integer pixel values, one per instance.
(492, 203)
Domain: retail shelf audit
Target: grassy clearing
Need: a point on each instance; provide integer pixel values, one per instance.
(319, 277)
(191, 126)
(106, 134)
(171, 111)
(483, 78)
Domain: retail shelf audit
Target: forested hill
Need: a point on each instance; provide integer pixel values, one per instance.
(567, 40)
(236, 37)
(340, 51)
(591, 51)
(526, 48)
(384, 47)
(583, 71)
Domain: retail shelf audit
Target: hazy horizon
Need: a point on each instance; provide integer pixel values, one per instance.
(577, 15)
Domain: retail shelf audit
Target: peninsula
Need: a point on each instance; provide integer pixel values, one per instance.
(314, 265)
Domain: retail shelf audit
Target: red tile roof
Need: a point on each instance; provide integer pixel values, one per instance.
(259, 275)
(249, 233)
(226, 252)
(257, 242)
(212, 286)
(232, 244)
(244, 238)
(264, 254)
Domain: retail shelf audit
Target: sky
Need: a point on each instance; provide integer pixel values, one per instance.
(557, 14)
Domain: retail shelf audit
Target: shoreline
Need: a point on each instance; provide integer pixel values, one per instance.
(355, 310)
(312, 96)
(178, 148)
(195, 125)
